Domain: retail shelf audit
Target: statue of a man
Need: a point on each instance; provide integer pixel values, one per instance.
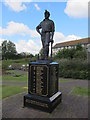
(47, 32)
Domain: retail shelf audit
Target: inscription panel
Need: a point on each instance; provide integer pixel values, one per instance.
(53, 80)
(39, 79)
(37, 103)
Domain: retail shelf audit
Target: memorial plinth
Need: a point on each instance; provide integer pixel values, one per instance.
(43, 86)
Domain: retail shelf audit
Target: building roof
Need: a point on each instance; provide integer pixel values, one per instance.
(73, 43)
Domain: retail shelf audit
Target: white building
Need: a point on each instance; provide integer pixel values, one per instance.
(71, 44)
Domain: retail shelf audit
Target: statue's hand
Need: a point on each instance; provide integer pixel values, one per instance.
(52, 41)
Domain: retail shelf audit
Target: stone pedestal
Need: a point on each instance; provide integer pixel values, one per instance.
(43, 86)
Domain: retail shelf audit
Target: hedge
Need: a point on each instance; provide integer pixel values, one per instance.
(75, 68)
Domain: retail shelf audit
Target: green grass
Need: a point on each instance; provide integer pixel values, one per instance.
(81, 91)
(16, 78)
(8, 91)
(15, 75)
(64, 81)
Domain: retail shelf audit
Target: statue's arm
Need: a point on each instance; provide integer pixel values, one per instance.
(53, 30)
(38, 29)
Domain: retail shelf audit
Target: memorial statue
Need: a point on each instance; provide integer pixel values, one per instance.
(43, 91)
(46, 29)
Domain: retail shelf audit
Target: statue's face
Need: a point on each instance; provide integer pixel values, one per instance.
(46, 16)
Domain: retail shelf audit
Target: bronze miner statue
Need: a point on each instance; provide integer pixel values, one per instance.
(43, 91)
(46, 29)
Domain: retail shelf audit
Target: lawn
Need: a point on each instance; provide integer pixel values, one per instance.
(16, 78)
(11, 90)
(81, 91)
(15, 75)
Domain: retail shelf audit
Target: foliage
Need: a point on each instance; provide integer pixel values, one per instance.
(73, 63)
(8, 50)
(79, 47)
(80, 54)
(41, 53)
(17, 63)
(71, 53)
(75, 68)
(24, 55)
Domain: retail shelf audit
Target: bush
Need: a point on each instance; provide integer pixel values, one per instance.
(67, 74)
(79, 52)
(75, 74)
(75, 68)
(83, 75)
(4, 66)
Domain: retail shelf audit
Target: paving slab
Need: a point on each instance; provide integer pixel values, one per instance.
(72, 106)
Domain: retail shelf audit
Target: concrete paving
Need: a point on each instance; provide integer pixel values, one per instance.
(72, 106)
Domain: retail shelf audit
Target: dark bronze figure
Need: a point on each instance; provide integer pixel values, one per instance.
(47, 32)
(43, 92)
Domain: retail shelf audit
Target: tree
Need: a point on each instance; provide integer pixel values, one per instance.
(65, 53)
(25, 55)
(79, 47)
(41, 53)
(79, 52)
(4, 49)
(8, 50)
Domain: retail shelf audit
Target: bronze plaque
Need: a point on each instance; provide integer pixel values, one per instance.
(53, 80)
(39, 79)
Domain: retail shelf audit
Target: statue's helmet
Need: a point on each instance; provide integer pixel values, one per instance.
(47, 13)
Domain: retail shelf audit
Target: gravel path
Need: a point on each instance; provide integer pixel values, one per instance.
(72, 106)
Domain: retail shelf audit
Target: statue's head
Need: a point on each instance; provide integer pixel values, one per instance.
(47, 14)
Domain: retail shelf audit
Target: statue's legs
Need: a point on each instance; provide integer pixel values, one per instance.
(45, 42)
(47, 39)
(46, 52)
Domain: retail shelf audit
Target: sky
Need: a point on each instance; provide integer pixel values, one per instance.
(20, 18)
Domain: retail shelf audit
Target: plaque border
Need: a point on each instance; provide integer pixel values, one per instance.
(47, 79)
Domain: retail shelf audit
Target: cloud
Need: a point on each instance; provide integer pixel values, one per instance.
(16, 6)
(34, 46)
(77, 8)
(31, 46)
(37, 7)
(18, 28)
(27, 46)
(60, 37)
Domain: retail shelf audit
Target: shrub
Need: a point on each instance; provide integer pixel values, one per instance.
(83, 75)
(75, 68)
(75, 74)
(68, 74)
(79, 52)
